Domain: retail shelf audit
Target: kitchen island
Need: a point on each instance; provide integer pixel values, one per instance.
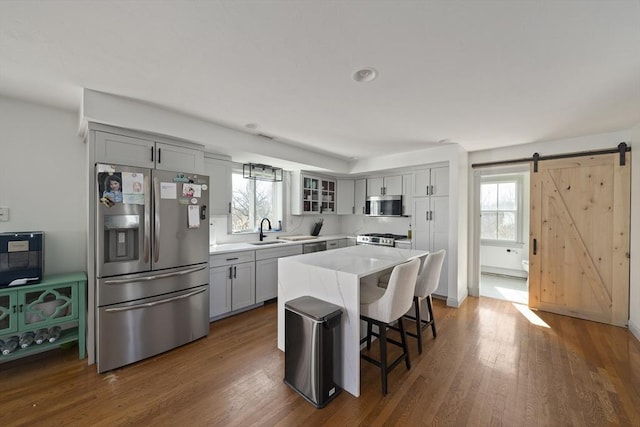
(335, 276)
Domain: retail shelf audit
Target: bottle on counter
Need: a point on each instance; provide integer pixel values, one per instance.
(409, 232)
(27, 339)
(10, 345)
(41, 335)
(54, 333)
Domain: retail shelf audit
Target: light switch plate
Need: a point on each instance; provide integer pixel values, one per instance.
(4, 214)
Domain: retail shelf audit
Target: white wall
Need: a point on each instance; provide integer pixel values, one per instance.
(360, 224)
(591, 142)
(43, 180)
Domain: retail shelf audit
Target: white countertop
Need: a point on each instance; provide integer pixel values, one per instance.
(247, 246)
(360, 260)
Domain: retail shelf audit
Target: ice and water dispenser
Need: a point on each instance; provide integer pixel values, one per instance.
(121, 237)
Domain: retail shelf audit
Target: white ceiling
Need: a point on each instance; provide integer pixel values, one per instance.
(482, 74)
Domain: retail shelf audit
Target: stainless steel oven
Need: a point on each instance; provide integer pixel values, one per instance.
(378, 239)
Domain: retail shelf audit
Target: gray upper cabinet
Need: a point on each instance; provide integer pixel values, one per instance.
(384, 186)
(431, 182)
(133, 151)
(124, 150)
(345, 197)
(360, 196)
(176, 158)
(220, 190)
(352, 195)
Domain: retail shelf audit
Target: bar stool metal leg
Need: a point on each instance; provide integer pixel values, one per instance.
(432, 320)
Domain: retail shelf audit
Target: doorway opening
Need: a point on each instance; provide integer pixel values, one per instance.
(502, 232)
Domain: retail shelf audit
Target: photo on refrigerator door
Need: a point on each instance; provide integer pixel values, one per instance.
(133, 188)
(110, 188)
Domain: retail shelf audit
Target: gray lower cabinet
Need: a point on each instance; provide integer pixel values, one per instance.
(219, 292)
(337, 243)
(266, 279)
(267, 270)
(232, 282)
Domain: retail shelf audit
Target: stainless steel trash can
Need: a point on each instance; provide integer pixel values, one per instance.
(313, 349)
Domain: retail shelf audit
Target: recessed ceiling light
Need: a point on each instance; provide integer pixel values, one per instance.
(365, 75)
(251, 126)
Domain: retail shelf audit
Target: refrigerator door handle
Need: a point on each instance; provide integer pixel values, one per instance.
(155, 276)
(147, 220)
(151, 304)
(156, 219)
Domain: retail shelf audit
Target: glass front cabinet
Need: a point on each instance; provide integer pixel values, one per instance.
(312, 195)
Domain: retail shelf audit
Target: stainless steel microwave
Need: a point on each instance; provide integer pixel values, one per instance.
(384, 206)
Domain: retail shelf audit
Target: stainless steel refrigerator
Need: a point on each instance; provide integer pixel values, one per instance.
(152, 250)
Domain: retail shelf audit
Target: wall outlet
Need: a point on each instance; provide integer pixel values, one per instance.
(4, 214)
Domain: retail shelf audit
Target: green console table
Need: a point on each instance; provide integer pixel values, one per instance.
(58, 300)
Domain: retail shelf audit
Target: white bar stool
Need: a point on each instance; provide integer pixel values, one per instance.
(381, 307)
(426, 284)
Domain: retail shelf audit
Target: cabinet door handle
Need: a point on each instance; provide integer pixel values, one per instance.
(230, 272)
(229, 207)
(159, 155)
(152, 150)
(15, 309)
(231, 259)
(431, 215)
(353, 210)
(235, 270)
(428, 190)
(21, 308)
(432, 192)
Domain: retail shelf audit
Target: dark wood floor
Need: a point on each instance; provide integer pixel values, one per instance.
(489, 366)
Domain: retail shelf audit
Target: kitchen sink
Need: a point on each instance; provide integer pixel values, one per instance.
(274, 242)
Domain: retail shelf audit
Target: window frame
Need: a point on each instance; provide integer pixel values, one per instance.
(277, 203)
(518, 179)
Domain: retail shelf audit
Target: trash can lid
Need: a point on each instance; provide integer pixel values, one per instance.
(314, 308)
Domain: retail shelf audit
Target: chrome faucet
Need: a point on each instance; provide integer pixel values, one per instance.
(262, 236)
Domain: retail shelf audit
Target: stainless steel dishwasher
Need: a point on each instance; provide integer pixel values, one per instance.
(307, 248)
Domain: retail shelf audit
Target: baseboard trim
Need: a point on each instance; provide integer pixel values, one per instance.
(634, 329)
(454, 302)
(503, 272)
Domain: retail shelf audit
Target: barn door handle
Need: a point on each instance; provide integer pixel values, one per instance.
(535, 246)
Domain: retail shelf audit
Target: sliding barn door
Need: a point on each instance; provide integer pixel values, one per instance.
(579, 243)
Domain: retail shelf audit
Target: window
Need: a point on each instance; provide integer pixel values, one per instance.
(500, 205)
(252, 201)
